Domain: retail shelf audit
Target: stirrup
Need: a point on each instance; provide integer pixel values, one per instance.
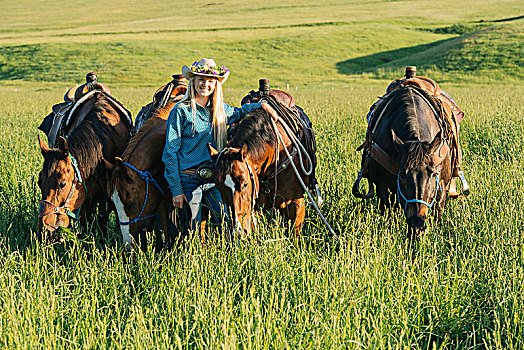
(465, 186)
(453, 193)
(319, 199)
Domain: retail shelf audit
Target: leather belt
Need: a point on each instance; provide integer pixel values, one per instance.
(190, 171)
(204, 172)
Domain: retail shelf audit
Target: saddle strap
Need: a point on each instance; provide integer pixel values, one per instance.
(388, 163)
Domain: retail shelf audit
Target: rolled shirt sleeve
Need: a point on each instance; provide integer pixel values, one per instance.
(170, 154)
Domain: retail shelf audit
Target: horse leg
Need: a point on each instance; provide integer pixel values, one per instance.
(383, 197)
(296, 213)
(103, 217)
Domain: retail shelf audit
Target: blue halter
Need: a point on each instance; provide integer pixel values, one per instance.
(407, 201)
(147, 177)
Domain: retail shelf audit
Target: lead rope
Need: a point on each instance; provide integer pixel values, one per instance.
(293, 138)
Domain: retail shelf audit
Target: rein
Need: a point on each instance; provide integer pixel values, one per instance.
(300, 149)
(407, 201)
(147, 177)
(63, 209)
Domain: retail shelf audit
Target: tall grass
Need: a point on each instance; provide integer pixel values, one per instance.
(462, 287)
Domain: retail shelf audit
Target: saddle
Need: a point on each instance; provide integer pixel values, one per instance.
(173, 91)
(55, 123)
(294, 116)
(447, 106)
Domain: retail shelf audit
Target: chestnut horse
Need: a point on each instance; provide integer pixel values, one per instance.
(137, 185)
(254, 171)
(417, 166)
(72, 180)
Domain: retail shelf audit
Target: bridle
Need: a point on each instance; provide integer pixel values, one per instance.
(254, 183)
(147, 177)
(47, 208)
(400, 195)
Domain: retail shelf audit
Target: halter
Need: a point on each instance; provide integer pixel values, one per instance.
(407, 201)
(63, 209)
(254, 194)
(147, 177)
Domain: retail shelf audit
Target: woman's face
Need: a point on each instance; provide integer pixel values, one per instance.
(205, 86)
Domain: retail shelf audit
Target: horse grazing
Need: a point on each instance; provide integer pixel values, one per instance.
(73, 179)
(254, 170)
(136, 182)
(418, 164)
(137, 185)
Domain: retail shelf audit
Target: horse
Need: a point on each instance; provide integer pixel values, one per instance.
(136, 181)
(73, 179)
(255, 169)
(417, 167)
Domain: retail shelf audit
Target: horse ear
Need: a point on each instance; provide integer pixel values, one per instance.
(243, 151)
(43, 147)
(435, 144)
(108, 165)
(212, 150)
(396, 139)
(62, 146)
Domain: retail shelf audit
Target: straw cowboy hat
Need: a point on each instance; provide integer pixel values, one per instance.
(207, 68)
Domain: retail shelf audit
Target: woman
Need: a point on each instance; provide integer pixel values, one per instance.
(198, 119)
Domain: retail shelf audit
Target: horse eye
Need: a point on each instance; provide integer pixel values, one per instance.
(244, 185)
(62, 184)
(130, 205)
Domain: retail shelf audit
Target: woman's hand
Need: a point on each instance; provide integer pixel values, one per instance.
(269, 110)
(178, 201)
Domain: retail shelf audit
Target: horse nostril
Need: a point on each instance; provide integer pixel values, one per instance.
(416, 221)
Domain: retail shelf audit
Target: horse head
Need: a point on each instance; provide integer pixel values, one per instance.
(237, 180)
(420, 181)
(61, 188)
(135, 198)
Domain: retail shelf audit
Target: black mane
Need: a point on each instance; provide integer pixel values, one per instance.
(256, 132)
(88, 141)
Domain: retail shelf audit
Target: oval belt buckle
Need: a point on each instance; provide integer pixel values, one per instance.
(204, 173)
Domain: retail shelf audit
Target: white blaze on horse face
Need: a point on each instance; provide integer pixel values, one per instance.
(231, 185)
(122, 216)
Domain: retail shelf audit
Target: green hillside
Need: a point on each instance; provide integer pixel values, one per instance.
(302, 43)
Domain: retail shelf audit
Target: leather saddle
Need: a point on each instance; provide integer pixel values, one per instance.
(173, 91)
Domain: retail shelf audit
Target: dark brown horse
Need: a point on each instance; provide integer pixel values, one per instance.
(409, 155)
(73, 178)
(255, 171)
(137, 185)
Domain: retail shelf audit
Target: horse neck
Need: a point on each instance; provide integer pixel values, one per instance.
(145, 148)
(414, 120)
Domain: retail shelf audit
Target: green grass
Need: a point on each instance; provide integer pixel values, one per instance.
(464, 287)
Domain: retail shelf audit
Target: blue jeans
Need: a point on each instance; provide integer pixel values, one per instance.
(200, 193)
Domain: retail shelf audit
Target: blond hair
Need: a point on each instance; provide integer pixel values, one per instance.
(217, 111)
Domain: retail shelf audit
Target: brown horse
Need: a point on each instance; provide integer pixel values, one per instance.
(137, 185)
(417, 166)
(72, 180)
(255, 171)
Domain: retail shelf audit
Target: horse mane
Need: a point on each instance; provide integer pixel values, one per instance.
(88, 140)
(418, 152)
(256, 132)
(149, 125)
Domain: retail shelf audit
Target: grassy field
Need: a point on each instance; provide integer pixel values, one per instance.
(463, 289)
